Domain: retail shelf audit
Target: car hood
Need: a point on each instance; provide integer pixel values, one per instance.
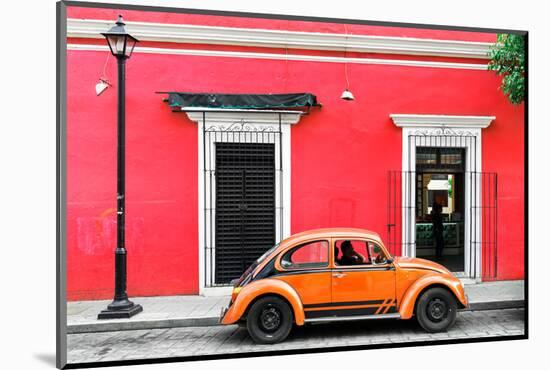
(420, 263)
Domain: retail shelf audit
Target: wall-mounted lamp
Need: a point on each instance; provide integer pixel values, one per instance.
(101, 86)
(346, 95)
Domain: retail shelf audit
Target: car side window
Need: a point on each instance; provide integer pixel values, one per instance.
(377, 254)
(350, 252)
(307, 255)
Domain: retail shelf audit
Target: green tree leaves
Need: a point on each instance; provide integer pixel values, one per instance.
(508, 60)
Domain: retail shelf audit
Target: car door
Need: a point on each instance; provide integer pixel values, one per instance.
(362, 285)
(305, 267)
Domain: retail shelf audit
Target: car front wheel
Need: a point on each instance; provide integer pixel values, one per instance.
(436, 310)
(269, 320)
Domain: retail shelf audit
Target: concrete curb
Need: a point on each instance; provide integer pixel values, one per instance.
(103, 326)
(132, 324)
(495, 305)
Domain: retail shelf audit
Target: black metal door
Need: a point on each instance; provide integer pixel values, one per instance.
(245, 206)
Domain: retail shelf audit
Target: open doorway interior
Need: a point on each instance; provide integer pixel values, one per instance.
(440, 206)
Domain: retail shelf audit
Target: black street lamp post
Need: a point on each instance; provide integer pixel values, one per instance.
(121, 45)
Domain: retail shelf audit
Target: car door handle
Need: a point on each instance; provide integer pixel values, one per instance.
(339, 275)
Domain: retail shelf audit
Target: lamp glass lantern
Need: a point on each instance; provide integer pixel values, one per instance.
(120, 42)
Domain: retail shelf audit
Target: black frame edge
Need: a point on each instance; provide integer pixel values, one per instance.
(526, 187)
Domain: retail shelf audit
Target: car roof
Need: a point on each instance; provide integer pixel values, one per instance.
(331, 232)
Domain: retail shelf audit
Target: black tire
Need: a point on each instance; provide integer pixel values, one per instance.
(436, 310)
(269, 320)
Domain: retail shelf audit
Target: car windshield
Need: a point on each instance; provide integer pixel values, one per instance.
(266, 254)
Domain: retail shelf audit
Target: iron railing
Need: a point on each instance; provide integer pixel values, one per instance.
(479, 203)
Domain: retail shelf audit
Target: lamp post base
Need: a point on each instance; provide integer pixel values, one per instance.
(120, 313)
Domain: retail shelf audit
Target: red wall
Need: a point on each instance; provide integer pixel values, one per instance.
(161, 182)
(340, 154)
(503, 153)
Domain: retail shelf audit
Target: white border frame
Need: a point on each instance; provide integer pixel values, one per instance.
(429, 125)
(257, 119)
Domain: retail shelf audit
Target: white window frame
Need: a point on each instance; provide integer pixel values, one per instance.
(255, 120)
(425, 124)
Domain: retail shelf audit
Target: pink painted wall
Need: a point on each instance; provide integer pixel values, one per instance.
(161, 183)
(340, 153)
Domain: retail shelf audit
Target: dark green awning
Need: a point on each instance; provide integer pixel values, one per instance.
(241, 101)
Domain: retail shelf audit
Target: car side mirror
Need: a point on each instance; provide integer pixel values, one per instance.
(389, 260)
(286, 264)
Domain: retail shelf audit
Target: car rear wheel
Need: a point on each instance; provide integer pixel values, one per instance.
(436, 310)
(269, 320)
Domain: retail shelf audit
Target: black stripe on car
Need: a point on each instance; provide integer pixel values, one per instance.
(354, 303)
(341, 312)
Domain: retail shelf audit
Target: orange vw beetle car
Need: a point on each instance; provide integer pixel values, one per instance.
(339, 274)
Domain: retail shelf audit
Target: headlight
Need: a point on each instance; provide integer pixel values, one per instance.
(234, 293)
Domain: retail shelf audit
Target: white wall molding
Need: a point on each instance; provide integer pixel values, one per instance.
(440, 121)
(295, 57)
(247, 118)
(184, 33)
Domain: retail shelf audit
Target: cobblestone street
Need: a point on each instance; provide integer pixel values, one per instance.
(192, 341)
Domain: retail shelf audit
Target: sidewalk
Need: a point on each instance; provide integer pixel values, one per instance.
(180, 311)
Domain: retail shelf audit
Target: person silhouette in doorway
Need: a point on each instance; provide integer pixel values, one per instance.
(437, 223)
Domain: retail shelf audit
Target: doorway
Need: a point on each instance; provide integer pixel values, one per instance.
(440, 206)
(245, 206)
(459, 141)
(240, 126)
